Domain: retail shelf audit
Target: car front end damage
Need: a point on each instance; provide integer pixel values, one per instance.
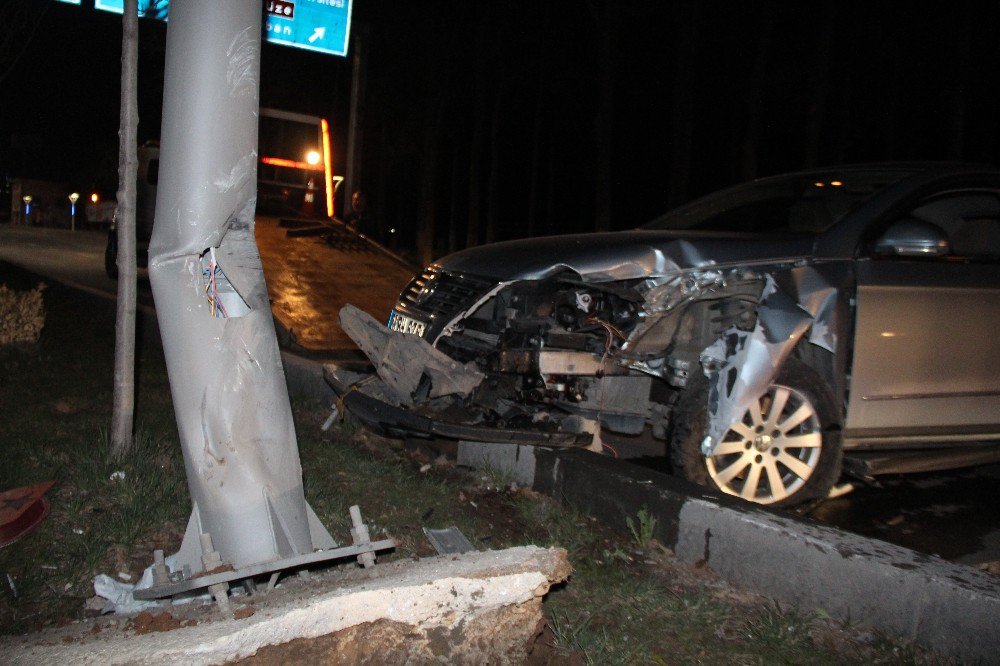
(559, 357)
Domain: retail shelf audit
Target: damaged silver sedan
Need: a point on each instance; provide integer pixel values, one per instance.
(771, 336)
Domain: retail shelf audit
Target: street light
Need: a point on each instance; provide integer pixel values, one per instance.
(27, 206)
(312, 157)
(94, 197)
(73, 198)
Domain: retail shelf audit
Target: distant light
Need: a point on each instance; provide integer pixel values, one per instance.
(94, 198)
(73, 198)
(312, 157)
(393, 230)
(26, 198)
(27, 204)
(887, 334)
(291, 164)
(819, 184)
(836, 183)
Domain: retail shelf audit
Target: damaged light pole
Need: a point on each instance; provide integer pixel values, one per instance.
(249, 513)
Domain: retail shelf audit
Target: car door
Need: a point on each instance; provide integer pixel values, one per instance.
(926, 361)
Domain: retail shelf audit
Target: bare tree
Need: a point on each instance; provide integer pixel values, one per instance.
(476, 156)
(682, 119)
(957, 112)
(493, 182)
(755, 104)
(816, 118)
(427, 206)
(124, 394)
(604, 17)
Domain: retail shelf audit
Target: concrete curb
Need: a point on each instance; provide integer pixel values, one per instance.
(948, 607)
(305, 377)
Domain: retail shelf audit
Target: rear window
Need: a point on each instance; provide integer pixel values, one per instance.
(803, 204)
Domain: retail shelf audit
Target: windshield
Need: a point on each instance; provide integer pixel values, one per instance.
(800, 203)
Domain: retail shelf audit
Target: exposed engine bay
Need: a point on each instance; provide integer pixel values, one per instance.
(565, 358)
(607, 352)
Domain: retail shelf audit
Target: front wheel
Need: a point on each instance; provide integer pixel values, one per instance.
(782, 451)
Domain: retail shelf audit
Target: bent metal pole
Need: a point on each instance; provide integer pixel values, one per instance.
(225, 370)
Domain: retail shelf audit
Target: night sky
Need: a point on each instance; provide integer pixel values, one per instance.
(493, 120)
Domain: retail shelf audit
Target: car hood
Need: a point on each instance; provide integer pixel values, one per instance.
(623, 255)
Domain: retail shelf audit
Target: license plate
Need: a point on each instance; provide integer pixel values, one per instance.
(404, 324)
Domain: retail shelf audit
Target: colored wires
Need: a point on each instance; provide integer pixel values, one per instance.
(211, 286)
(612, 332)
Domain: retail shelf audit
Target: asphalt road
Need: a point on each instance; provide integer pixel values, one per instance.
(308, 279)
(953, 515)
(75, 258)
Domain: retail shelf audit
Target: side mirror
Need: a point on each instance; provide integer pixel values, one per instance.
(911, 237)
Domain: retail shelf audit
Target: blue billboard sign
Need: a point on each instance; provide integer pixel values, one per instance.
(147, 8)
(315, 25)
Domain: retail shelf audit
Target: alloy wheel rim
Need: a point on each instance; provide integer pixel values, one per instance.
(772, 451)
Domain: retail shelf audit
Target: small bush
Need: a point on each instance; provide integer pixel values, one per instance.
(643, 528)
(22, 315)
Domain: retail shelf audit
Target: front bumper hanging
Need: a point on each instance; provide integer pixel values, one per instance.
(367, 398)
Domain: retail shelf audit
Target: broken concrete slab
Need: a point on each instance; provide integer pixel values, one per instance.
(469, 608)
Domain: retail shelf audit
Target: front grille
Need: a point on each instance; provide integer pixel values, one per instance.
(440, 295)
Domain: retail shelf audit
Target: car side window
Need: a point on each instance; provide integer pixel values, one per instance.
(969, 222)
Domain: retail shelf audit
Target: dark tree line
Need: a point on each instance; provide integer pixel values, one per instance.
(490, 121)
(494, 120)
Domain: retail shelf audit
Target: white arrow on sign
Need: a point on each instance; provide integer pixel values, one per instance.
(319, 33)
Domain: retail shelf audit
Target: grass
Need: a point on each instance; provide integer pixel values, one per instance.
(642, 528)
(628, 601)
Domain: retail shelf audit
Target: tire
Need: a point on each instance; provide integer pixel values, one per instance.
(750, 459)
(111, 257)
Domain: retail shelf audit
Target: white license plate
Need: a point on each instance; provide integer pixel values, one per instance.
(404, 324)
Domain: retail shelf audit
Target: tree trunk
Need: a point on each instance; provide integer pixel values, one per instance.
(382, 188)
(550, 189)
(427, 209)
(535, 173)
(682, 118)
(846, 134)
(889, 113)
(475, 173)
(124, 391)
(493, 197)
(455, 201)
(749, 164)
(356, 117)
(604, 16)
(816, 114)
(959, 90)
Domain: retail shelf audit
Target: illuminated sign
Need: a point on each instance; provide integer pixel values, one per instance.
(315, 25)
(71, 2)
(148, 8)
(323, 26)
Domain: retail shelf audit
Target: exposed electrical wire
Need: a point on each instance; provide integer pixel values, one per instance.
(611, 332)
(211, 286)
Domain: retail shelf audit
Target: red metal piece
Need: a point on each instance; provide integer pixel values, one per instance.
(21, 510)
